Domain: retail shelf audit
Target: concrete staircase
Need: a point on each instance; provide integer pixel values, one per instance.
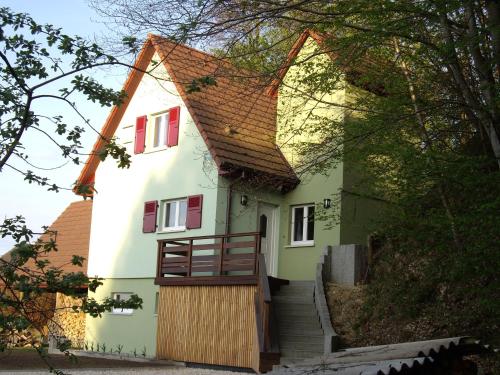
(300, 333)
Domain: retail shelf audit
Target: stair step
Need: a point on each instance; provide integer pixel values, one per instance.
(295, 311)
(297, 331)
(296, 314)
(286, 324)
(304, 345)
(296, 289)
(292, 299)
(291, 337)
(295, 353)
(286, 318)
(294, 292)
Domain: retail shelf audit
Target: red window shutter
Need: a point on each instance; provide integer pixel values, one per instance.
(149, 219)
(140, 134)
(194, 208)
(173, 126)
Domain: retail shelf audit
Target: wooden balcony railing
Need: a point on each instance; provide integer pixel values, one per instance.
(209, 260)
(267, 328)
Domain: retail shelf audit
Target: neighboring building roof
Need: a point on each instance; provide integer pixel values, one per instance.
(404, 358)
(71, 231)
(235, 116)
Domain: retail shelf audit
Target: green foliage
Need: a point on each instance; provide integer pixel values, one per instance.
(196, 85)
(261, 51)
(119, 348)
(33, 59)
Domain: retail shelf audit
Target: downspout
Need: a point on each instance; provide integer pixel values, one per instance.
(229, 199)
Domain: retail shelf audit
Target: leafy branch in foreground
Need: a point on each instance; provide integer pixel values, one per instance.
(39, 65)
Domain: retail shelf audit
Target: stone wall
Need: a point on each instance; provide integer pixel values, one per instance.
(348, 264)
(67, 322)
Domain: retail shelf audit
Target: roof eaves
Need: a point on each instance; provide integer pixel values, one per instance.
(87, 174)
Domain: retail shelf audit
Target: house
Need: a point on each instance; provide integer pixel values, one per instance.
(212, 207)
(71, 232)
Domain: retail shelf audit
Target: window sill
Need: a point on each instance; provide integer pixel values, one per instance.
(156, 149)
(122, 313)
(295, 245)
(173, 230)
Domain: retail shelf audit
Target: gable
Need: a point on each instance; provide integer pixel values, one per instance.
(234, 116)
(311, 95)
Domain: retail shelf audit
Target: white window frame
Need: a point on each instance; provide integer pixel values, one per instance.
(123, 297)
(177, 227)
(163, 131)
(304, 226)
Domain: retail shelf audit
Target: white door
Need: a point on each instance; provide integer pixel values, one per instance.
(267, 224)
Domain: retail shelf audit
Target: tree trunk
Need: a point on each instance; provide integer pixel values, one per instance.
(428, 144)
(466, 92)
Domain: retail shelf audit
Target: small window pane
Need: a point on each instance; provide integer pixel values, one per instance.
(157, 131)
(121, 297)
(298, 225)
(310, 223)
(182, 213)
(263, 226)
(160, 131)
(170, 209)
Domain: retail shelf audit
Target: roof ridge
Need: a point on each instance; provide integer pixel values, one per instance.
(216, 58)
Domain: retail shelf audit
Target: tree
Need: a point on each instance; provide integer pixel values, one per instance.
(427, 141)
(34, 58)
(460, 41)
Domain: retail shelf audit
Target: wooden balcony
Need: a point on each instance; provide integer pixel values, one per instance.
(230, 259)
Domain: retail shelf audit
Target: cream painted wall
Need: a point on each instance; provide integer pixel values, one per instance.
(118, 248)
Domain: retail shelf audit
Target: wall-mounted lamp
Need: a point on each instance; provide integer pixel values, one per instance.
(327, 203)
(243, 200)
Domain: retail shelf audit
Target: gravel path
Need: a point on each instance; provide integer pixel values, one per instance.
(142, 371)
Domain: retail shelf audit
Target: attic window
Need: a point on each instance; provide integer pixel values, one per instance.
(160, 129)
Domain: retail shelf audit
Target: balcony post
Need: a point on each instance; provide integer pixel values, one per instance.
(257, 252)
(159, 262)
(190, 257)
(221, 255)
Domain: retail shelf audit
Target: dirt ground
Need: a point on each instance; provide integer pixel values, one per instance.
(28, 359)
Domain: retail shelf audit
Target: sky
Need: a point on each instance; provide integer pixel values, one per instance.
(17, 197)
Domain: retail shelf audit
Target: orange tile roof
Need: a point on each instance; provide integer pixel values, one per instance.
(235, 117)
(71, 231)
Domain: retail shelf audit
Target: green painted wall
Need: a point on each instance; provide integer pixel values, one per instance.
(134, 331)
(299, 263)
(302, 112)
(359, 209)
